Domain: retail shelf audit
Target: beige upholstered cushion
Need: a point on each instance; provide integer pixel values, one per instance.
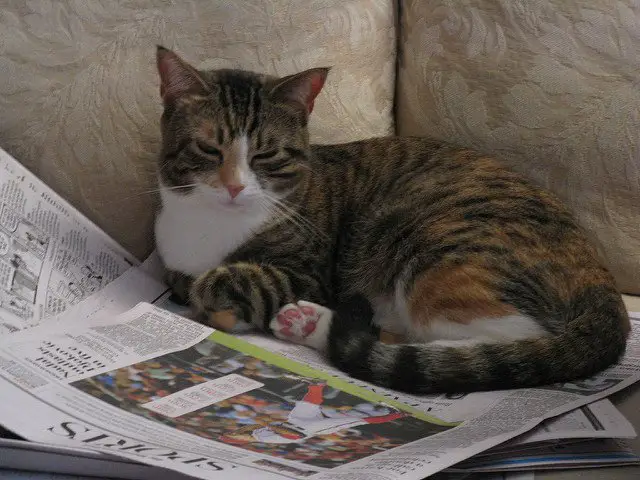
(79, 102)
(632, 303)
(551, 85)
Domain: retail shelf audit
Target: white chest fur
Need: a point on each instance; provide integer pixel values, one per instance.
(195, 232)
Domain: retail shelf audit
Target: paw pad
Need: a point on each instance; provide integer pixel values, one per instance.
(304, 322)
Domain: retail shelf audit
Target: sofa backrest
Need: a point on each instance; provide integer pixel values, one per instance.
(79, 89)
(552, 86)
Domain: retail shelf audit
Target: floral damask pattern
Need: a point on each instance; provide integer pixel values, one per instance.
(552, 86)
(79, 91)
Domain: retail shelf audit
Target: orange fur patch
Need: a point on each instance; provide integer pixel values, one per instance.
(224, 320)
(460, 294)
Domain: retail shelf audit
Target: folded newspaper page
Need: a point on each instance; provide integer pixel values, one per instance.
(602, 452)
(593, 435)
(21, 475)
(542, 448)
(54, 459)
(154, 387)
(51, 256)
(62, 462)
(485, 476)
(600, 419)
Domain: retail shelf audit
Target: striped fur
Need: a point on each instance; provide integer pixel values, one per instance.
(453, 233)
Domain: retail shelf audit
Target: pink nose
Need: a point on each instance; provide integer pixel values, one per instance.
(234, 190)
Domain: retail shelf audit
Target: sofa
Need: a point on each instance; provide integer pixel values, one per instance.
(550, 86)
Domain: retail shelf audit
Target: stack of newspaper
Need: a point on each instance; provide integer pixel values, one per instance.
(102, 375)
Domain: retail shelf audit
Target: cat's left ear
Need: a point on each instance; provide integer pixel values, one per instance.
(301, 88)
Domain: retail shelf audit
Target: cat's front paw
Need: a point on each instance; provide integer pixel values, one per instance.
(180, 285)
(220, 299)
(304, 323)
(238, 296)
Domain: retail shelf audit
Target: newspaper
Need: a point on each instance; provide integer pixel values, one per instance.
(531, 451)
(593, 435)
(157, 475)
(153, 387)
(598, 420)
(51, 256)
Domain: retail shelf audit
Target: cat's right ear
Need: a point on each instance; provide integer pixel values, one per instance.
(177, 77)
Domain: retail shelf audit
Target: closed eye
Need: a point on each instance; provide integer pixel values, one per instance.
(275, 165)
(208, 149)
(265, 155)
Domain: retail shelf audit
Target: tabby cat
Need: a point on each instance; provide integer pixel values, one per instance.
(487, 277)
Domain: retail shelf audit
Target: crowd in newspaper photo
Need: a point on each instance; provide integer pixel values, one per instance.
(96, 363)
(288, 416)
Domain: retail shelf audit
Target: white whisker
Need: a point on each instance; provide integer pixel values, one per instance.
(274, 209)
(304, 220)
(295, 217)
(157, 190)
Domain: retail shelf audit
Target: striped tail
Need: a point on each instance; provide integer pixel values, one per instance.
(594, 338)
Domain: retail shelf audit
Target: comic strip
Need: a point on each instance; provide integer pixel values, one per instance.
(51, 257)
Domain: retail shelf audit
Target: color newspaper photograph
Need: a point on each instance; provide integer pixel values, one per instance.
(290, 416)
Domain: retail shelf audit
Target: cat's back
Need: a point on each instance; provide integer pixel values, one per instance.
(421, 167)
(433, 180)
(417, 159)
(377, 151)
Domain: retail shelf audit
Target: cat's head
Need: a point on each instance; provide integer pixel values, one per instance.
(236, 134)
